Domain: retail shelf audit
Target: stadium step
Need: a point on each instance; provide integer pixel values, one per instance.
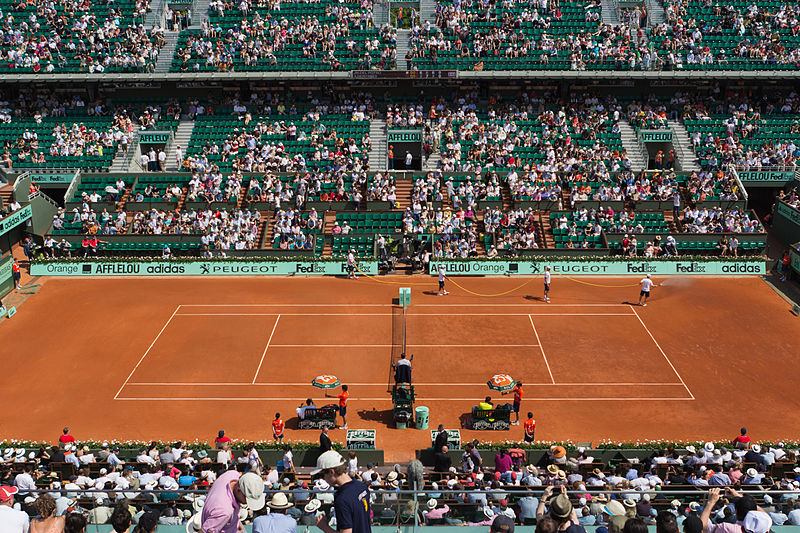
(546, 230)
(609, 12)
(200, 12)
(655, 14)
(403, 185)
(633, 147)
(167, 51)
(7, 194)
(264, 237)
(155, 17)
(427, 11)
(127, 161)
(433, 161)
(181, 138)
(682, 144)
(378, 136)
(505, 194)
(403, 40)
(330, 218)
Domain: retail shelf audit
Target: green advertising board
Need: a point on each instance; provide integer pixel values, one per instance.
(6, 279)
(655, 136)
(453, 438)
(197, 268)
(794, 257)
(15, 219)
(153, 137)
(765, 178)
(405, 136)
(788, 212)
(598, 268)
(53, 180)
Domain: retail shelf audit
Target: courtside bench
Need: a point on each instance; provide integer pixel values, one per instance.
(318, 418)
(498, 419)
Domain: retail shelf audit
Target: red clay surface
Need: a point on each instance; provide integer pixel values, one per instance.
(182, 358)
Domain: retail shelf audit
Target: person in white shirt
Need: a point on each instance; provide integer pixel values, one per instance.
(24, 481)
(11, 520)
(646, 284)
(547, 284)
(144, 458)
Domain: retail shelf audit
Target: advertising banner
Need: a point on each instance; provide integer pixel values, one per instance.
(650, 136)
(198, 268)
(758, 177)
(15, 219)
(598, 268)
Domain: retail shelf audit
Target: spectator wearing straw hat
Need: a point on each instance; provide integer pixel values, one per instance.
(559, 509)
(277, 521)
(352, 497)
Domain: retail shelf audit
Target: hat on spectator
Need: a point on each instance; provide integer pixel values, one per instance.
(8, 453)
(694, 506)
(756, 448)
(646, 497)
(487, 512)
(558, 451)
(561, 507)
(757, 522)
(313, 505)
(432, 503)
(202, 454)
(391, 476)
(629, 502)
(691, 449)
(552, 469)
(20, 453)
(614, 508)
(561, 474)
(675, 504)
(752, 472)
(598, 473)
(709, 446)
(329, 459)
(502, 524)
(279, 501)
(768, 499)
(253, 489)
(532, 469)
(53, 475)
(32, 456)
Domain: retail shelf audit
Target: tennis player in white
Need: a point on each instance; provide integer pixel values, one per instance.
(646, 284)
(547, 284)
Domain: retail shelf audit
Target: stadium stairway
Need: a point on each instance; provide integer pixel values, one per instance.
(264, 227)
(546, 230)
(403, 185)
(199, 12)
(378, 137)
(123, 162)
(330, 218)
(655, 13)
(7, 194)
(609, 12)
(403, 39)
(427, 11)
(167, 51)
(155, 17)
(380, 13)
(433, 161)
(181, 138)
(632, 145)
(681, 143)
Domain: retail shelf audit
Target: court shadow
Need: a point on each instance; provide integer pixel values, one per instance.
(466, 420)
(630, 303)
(374, 415)
(534, 298)
(293, 423)
(430, 293)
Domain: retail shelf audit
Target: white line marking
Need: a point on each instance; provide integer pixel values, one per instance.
(408, 314)
(266, 348)
(387, 399)
(542, 350)
(407, 345)
(662, 351)
(415, 305)
(482, 384)
(148, 351)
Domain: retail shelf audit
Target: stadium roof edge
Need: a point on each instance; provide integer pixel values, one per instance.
(609, 75)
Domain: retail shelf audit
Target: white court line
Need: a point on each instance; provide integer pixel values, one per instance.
(407, 345)
(662, 351)
(387, 399)
(542, 350)
(266, 348)
(407, 314)
(414, 305)
(148, 351)
(305, 383)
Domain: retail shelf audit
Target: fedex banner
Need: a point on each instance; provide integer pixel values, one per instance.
(599, 268)
(198, 268)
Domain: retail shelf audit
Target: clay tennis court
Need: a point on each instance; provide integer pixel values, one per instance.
(182, 358)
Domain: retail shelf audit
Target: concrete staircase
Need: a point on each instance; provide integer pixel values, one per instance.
(380, 13)
(433, 161)
(682, 144)
(378, 135)
(427, 11)
(181, 138)
(403, 40)
(403, 186)
(123, 162)
(609, 12)
(632, 145)
(199, 12)
(655, 13)
(167, 51)
(156, 15)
